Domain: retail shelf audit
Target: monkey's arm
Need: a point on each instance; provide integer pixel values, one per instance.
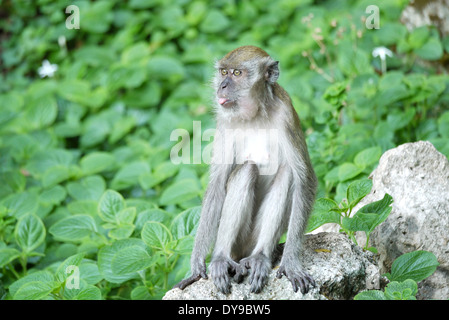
(208, 225)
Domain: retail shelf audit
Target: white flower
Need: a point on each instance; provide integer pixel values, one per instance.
(382, 52)
(47, 69)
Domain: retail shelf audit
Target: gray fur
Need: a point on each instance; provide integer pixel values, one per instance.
(246, 210)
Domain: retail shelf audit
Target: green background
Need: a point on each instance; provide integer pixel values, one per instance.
(85, 172)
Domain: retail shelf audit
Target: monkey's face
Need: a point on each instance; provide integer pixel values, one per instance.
(244, 77)
(230, 87)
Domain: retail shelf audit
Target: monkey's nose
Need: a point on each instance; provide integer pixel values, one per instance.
(225, 83)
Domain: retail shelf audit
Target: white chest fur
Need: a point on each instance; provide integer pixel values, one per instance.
(259, 146)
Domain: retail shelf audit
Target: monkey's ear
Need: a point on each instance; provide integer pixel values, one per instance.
(272, 72)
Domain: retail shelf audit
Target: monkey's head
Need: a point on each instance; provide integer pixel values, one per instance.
(244, 81)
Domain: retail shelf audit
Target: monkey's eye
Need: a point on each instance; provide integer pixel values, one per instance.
(224, 72)
(237, 72)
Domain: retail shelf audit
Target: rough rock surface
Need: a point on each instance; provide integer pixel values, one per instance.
(340, 269)
(416, 175)
(427, 12)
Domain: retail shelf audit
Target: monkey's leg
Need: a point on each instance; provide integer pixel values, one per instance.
(235, 219)
(302, 202)
(209, 222)
(270, 223)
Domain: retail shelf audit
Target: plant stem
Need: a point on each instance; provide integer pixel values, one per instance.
(23, 263)
(11, 268)
(367, 240)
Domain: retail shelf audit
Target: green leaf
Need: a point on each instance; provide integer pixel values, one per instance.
(107, 253)
(42, 112)
(121, 128)
(379, 207)
(348, 171)
(405, 290)
(74, 90)
(35, 290)
(156, 235)
(165, 67)
(416, 265)
(370, 295)
(368, 156)
(179, 192)
(418, 37)
(55, 175)
(7, 255)
(89, 188)
(158, 215)
(21, 204)
(162, 172)
(323, 212)
(39, 276)
(131, 259)
(97, 162)
(215, 21)
(357, 190)
(89, 293)
(29, 232)
(127, 215)
(62, 273)
(140, 293)
(431, 50)
(73, 228)
(53, 195)
(186, 223)
(122, 231)
(443, 124)
(369, 216)
(111, 203)
(129, 175)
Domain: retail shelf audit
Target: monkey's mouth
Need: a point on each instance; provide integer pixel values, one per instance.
(225, 102)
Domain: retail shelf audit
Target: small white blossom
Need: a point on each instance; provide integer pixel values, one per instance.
(47, 69)
(382, 52)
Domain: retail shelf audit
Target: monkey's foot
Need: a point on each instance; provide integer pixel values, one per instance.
(297, 276)
(220, 269)
(260, 266)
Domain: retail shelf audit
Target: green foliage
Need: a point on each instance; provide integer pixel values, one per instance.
(86, 178)
(406, 271)
(365, 219)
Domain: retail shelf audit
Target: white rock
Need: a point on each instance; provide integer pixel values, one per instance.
(416, 175)
(340, 269)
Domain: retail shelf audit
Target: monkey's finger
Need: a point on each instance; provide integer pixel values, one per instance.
(304, 287)
(311, 280)
(295, 286)
(280, 273)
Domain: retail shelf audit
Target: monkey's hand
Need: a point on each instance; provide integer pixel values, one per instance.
(260, 267)
(297, 276)
(198, 272)
(220, 270)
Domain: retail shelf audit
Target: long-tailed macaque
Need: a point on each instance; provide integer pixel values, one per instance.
(254, 194)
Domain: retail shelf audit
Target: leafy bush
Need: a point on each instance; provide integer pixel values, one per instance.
(85, 169)
(406, 271)
(365, 219)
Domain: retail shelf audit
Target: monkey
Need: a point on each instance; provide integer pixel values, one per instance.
(246, 207)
